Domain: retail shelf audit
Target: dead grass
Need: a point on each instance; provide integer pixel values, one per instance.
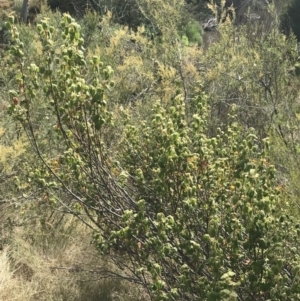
(5, 4)
(53, 263)
(11, 288)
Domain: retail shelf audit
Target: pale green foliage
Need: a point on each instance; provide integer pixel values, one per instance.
(257, 70)
(206, 209)
(143, 68)
(249, 67)
(153, 9)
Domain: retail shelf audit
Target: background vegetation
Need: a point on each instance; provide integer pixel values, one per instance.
(145, 157)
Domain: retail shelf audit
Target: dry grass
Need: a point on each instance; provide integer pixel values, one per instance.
(5, 4)
(50, 262)
(11, 287)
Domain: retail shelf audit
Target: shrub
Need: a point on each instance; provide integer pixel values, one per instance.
(194, 32)
(187, 216)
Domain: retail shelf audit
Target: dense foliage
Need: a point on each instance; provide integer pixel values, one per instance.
(186, 215)
(177, 152)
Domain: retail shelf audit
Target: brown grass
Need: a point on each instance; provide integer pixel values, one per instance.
(5, 4)
(53, 262)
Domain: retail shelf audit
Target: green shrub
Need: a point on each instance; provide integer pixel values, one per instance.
(194, 32)
(187, 216)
